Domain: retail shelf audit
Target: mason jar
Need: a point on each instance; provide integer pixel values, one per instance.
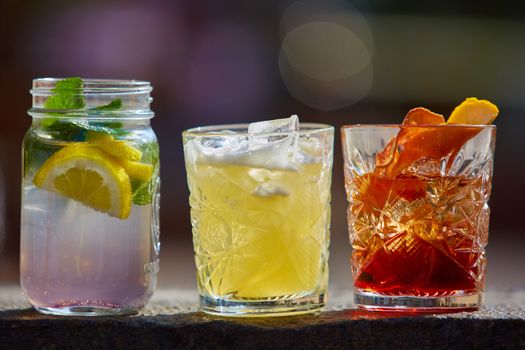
(90, 198)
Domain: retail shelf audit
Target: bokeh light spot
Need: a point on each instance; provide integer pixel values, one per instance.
(325, 51)
(325, 59)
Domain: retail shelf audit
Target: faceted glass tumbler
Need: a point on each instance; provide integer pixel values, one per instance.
(418, 214)
(260, 212)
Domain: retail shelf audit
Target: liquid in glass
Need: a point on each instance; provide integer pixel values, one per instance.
(260, 220)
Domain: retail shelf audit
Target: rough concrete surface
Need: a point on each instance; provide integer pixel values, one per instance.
(171, 321)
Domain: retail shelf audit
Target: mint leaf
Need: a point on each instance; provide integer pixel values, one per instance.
(142, 192)
(76, 129)
(66, 130)
(35, 151)
(150, 152)
(112, 128)
(113, 105)
(66, 95)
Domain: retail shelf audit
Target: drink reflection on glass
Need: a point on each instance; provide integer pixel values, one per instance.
(418, 214)
(260, 211)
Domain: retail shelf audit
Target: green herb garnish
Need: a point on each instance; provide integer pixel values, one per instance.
(142, 192)
(36, 151)
(76, 129)
(67, 95)
(113, 105)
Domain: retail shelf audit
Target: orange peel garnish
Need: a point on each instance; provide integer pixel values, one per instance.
(421, 115)
(474, 111)
(427, 141)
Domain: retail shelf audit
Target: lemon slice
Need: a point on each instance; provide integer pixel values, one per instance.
(88, 175)
(117, 148)
(474, 111)
(136, 170)
(125, 155)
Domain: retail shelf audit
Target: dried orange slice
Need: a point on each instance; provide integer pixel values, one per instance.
(474, 111)
(420, 115)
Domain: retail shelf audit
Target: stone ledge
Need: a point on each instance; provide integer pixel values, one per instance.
(177, 326)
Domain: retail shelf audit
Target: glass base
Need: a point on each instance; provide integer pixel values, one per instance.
(86, 311)
(258, 308)
(403, 303)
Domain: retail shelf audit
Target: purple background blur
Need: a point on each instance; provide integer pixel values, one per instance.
(330, 61)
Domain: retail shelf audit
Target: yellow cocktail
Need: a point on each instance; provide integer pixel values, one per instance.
(261, 230)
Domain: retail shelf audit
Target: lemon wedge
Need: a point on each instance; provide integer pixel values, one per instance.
(125, 155)
(117, 148)
(136, 170)
(474, 111)
(88, 175)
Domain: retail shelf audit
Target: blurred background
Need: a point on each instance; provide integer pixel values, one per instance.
(330, 61)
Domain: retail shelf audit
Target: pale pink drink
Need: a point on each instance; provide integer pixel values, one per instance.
(89, 224)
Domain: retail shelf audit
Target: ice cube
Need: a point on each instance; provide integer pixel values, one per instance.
(269, 144)
(228, 142)
(275, 126)
(274, 131)
(262, 175)
(427, 167)
(310, 150)
(269, 184)
(274, 143)
(270, 189)
(217, 149)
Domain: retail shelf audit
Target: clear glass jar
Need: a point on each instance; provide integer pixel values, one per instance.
(90, 198)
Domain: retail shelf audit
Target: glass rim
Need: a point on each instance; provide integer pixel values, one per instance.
(222, 130)
(44, 86)
(425, 126)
